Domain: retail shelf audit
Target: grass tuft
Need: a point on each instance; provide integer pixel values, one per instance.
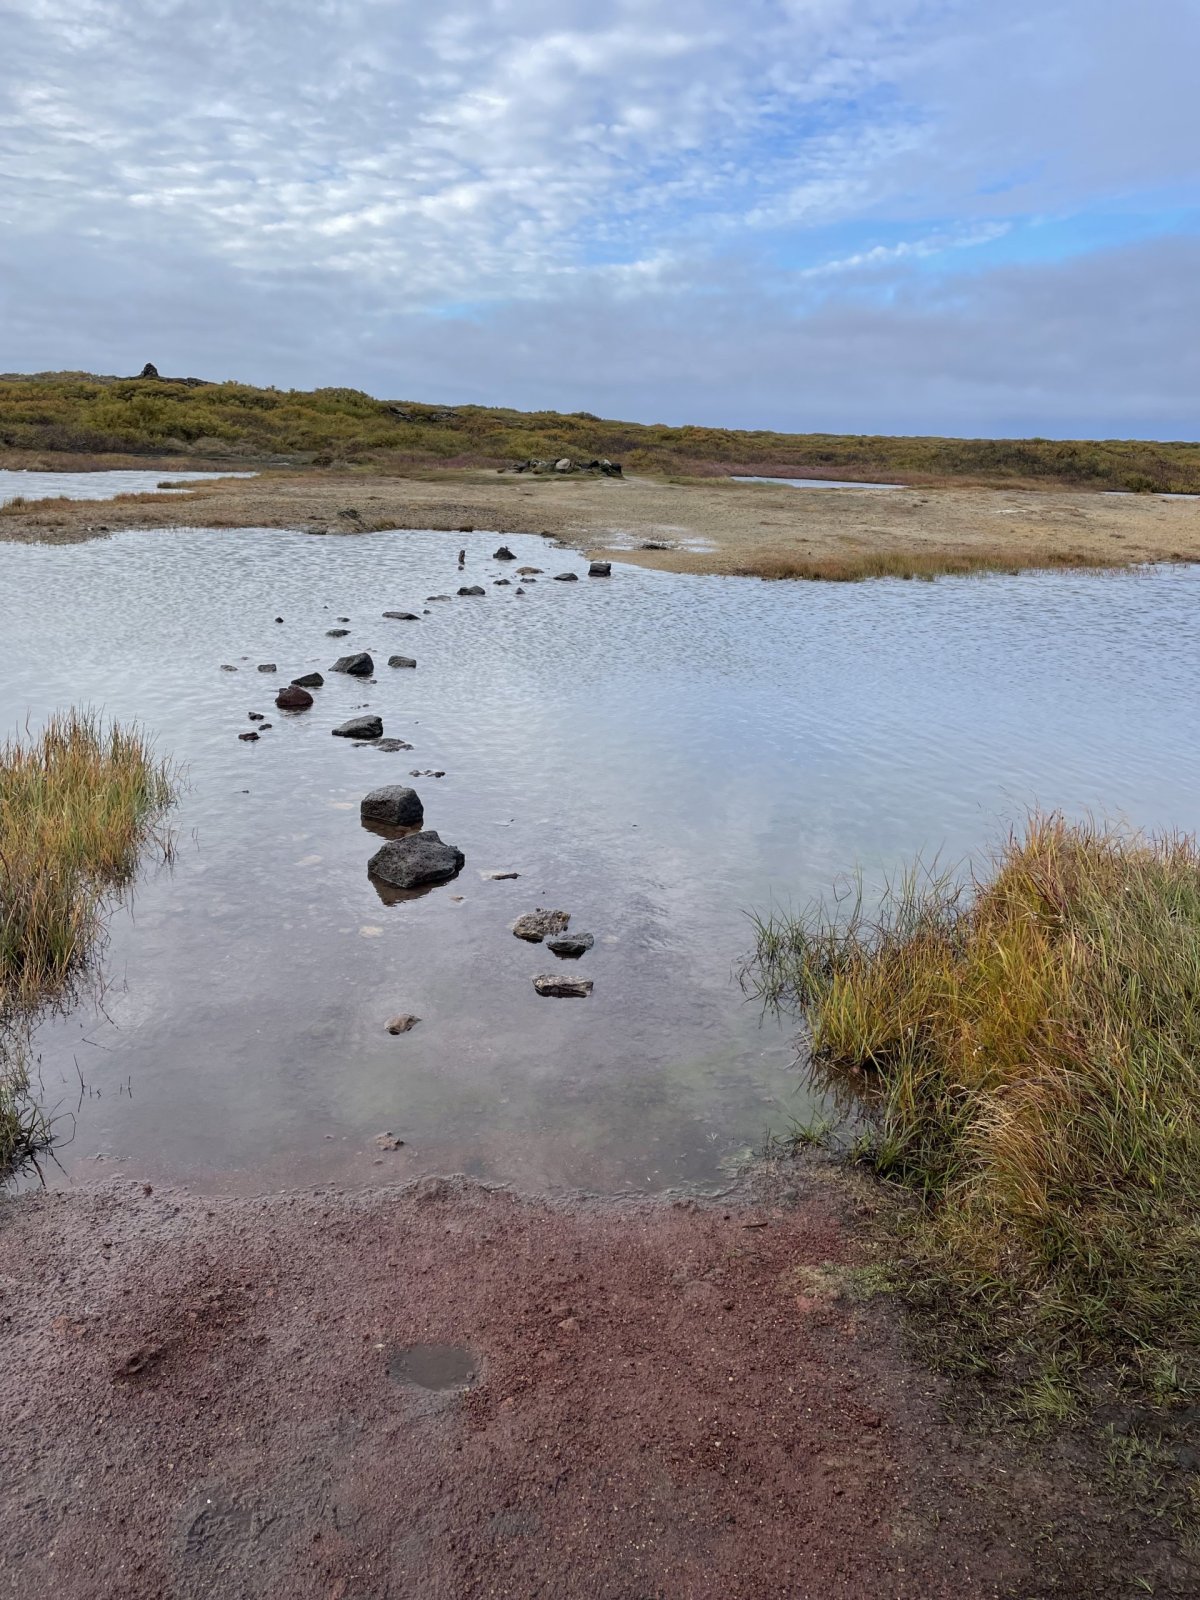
(77, 805)
(1024, 1051)
(850, 566)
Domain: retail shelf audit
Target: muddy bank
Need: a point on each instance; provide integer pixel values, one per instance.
(710, 526)
(672, 1399)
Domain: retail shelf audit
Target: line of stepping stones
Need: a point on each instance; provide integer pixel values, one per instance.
(423, 859)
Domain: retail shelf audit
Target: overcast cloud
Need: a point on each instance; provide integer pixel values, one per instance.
(869, 215)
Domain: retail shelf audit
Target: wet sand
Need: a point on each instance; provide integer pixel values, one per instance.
(679, 1400)
(708, 526)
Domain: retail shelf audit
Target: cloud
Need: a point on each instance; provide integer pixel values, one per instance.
(351, 191)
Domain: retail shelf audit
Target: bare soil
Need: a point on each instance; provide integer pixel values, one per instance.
(705, 525)
(645, 1401)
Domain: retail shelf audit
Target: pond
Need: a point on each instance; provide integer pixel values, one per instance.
(815, 483)
(653, 753)
(96, 485)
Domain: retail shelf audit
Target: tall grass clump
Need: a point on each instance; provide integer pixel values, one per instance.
(77, 804)
(1025, 1049)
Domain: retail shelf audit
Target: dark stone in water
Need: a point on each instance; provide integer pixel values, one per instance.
(600, 569)
(359, 665)
(227, 668)
(529, 572)
(566, 577)
(559, 988)
(360, 728)
(266, 666)
(395, 805)
(278, 619)
(402, 616)
(430, 598)
(413, 862)
(504, 554)
(293, 698)
(336, 633)
(534, 926)
(255, 716)
(570, 945)
(472, 589)
(392, 744)
(309, 680)
(247, 737)
(502, 583)
(401, 661)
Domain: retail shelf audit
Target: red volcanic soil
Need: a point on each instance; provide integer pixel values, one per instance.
(643, 1401)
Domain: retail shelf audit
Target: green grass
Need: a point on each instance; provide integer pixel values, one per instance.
(87, 414)
(1022, 1052)
(77, 805)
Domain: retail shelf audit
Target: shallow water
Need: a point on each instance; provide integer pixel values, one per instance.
(95, 485)
(816, 483)
(652, 752)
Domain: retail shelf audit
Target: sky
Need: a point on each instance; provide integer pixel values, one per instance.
(871, 216)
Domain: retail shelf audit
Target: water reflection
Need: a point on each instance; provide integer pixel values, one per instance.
(97, 485)
(653, 753)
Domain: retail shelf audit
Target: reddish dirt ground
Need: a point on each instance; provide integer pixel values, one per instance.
(200, 1399)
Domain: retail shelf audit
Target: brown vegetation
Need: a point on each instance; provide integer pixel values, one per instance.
(83, 413)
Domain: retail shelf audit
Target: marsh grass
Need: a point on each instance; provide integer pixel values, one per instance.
(78, 803)
(850, 566)
(1024, 1049)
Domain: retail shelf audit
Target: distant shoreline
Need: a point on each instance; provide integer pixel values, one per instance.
(691, 526)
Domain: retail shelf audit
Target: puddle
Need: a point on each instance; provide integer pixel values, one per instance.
(97, 485)
(439, 1367)
(652, 753)
(815, 483)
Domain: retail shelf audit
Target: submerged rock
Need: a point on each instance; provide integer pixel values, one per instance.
(392, 744)
(266, 666)
(412, 863)
(566, 577)
(402, 616)
(535, 925)
(309, 680)
(358, 665)
(248, 737)
(600, 569)
(570, 945)
(396, 805)
(293, 698)
(360, 728)
(256, 716)
(225, 667)
(472, 589)
(529, 572)
(504, 554)
(559, 988)
(401, 661)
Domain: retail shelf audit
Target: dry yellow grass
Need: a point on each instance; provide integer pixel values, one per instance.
(77, 804)
(1026, 1049)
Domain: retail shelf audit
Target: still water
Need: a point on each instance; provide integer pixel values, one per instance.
(652, 753)
(96, 485)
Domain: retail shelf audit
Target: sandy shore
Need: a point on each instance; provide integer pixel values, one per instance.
(706, 526)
